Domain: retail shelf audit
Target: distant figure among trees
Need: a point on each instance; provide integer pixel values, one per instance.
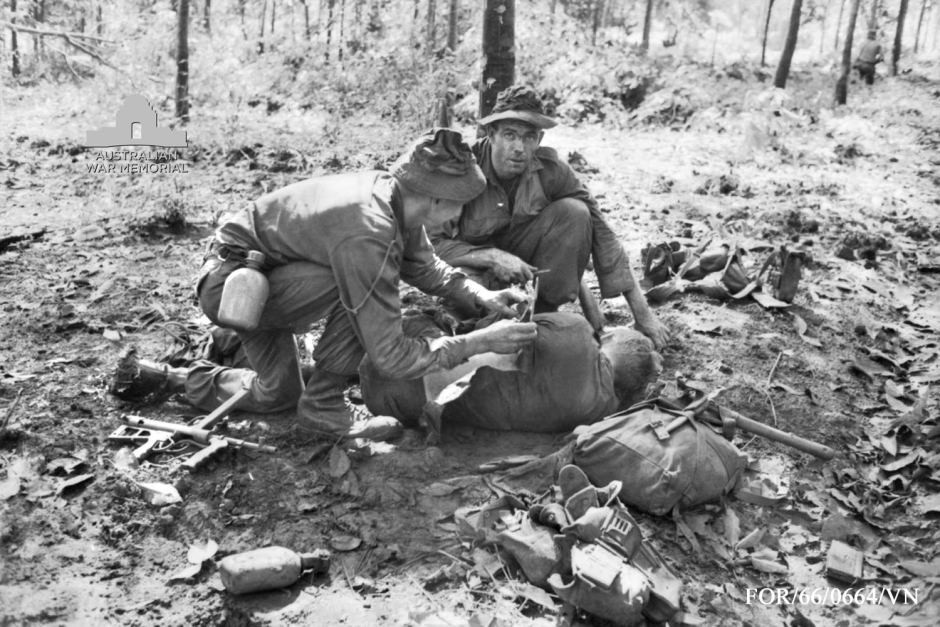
(869, 55)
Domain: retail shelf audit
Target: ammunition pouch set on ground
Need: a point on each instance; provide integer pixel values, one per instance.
(581, 542)
(780, 272)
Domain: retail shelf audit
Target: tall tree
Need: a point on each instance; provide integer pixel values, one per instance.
(499, 51)
(14, 46)
(920, 20)
(306, 19)
(329, 26)
(839, 23)
(264, 12)
(783, 68)
(763, 46)
(898, 35)
(432, 27)
(596, 20)
(842, 85)
(452, 25)
(647, 24)
(206, 22)
(873, 16)
(182, 62)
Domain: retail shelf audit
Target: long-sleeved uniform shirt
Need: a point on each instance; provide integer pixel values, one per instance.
(546, 180)
(870, 52)
(353, 225)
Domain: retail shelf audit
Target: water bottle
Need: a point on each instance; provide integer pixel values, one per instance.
(244, 295)
(269, 568)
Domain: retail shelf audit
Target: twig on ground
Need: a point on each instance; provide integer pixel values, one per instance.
(774, 368)
(9, 414)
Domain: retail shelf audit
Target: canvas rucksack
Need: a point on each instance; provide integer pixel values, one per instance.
(661, 456)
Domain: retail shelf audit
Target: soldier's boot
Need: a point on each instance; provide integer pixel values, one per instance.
(324, 409)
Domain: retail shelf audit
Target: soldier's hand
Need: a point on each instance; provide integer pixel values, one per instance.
(651, 327)
(501, 301)
(506, 336)
(508, 268)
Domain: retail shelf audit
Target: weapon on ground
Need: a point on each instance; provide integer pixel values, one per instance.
(160, 436)
(728, 420)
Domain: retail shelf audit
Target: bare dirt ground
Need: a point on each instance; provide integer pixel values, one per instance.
(850, 364)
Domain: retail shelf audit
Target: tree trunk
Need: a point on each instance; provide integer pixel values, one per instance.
(14, 47)
(271, 29)
(763, 46)
(206, 12)
(839, 23)
(452, 25)
(329, 26)
(783, 68)
(264, 12)
(842, 85)
(873, 16)
(596, 20)
(342, 30)
(822, 29)
(499, 54)
(432, 15)
(182, 62)
(647, 23)
(920, 21)
(898, 36)
(306, 19)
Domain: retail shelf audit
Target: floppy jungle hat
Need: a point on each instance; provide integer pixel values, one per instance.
(519, 102)
(439, 164)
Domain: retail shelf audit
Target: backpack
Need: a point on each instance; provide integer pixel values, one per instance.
(662, 458)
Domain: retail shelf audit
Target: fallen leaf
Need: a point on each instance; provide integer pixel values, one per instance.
(903, 461)
(930, 504)
(186, 574)
(63, 466)
(801, 329)
(922, 569)
(200, 552)
(732, 527)
(438, 488)
(74, 482)
(112, 334)
(345, 542)
(339, 463)
(767, 566)
(160, 493)
(767, 301)
(536, 595)
(9, 487)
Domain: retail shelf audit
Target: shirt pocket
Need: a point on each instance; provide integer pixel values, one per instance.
(482, 229)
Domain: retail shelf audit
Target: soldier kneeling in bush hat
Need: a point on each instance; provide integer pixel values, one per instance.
(334, 249)
(535, 214)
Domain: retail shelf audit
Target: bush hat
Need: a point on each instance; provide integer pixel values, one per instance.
(519, 102)
(439, 164)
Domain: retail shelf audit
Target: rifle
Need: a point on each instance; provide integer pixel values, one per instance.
(160, 436)
(729, 420)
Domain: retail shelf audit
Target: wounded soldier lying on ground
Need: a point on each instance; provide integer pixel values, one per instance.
(566, 378)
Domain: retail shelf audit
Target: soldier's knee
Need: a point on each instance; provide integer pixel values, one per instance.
(569, 210)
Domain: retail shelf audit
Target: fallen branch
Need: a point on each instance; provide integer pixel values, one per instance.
(9, 414)
(52, 33)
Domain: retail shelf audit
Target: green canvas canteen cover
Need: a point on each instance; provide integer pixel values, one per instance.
(662, 458)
